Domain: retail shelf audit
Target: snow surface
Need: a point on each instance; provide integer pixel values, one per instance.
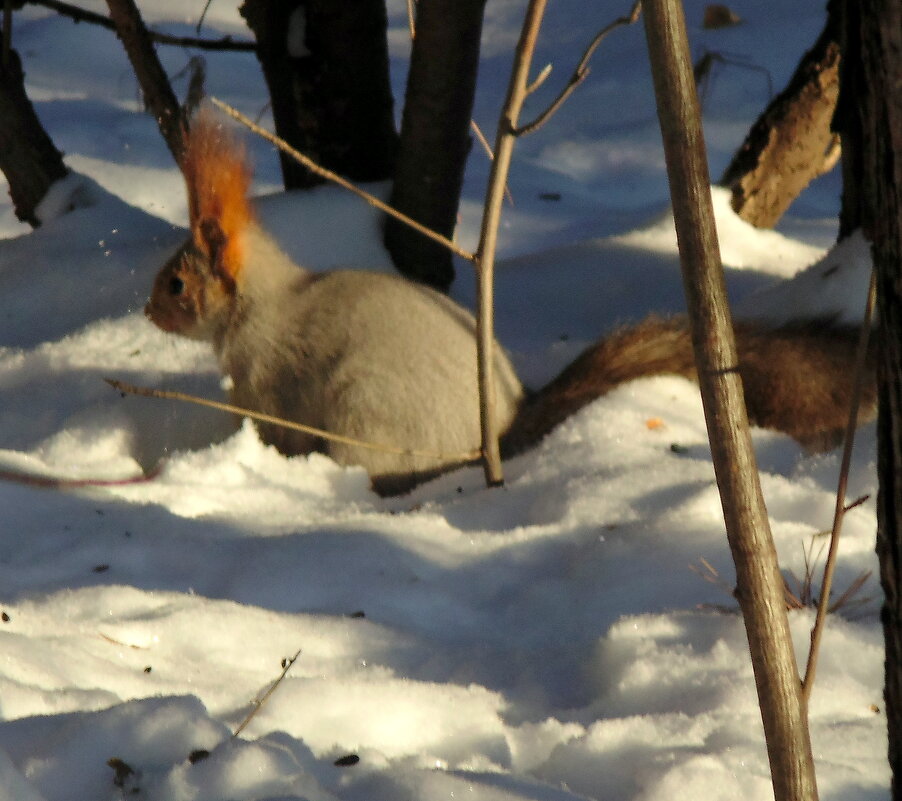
(547, 641)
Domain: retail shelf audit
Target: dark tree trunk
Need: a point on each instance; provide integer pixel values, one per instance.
(848, 118)
(435, 138)
(158, 94)
(28, 157)
(872, 109)
(326, 66)
(791, 143)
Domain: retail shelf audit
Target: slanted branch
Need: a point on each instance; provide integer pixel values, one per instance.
(791, 143)
(151, 76)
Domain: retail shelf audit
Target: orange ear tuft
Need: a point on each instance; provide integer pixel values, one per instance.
(218, 177)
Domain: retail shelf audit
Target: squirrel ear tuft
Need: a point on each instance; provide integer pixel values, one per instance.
(218, 176)
(210, 239)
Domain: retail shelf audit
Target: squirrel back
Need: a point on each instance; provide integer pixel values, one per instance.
(363, 355)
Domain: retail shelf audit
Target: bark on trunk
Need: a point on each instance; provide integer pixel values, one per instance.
(873, 123)
(435, 138)
(791, 143)
(28, 157)
(326, 66)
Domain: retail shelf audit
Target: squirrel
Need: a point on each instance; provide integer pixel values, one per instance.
(383, 359)
(364, 355)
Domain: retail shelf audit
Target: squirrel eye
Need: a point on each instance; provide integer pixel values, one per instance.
(176, 286)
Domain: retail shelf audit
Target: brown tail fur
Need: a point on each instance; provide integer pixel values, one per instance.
(796, 377)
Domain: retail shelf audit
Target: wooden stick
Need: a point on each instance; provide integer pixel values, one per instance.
(466, 456)
(760, 586)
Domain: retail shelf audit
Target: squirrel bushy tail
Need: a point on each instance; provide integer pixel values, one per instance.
(796, 377)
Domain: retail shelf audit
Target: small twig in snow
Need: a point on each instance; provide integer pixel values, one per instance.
(51, 482)
(258, 702)
(279, 421)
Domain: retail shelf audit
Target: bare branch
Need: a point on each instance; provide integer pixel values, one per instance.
(488, 237)
(335, 178)
(467, 456)
(83, 15)
(839, 513)
(580, 73)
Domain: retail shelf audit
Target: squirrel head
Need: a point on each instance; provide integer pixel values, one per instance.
(197, 286)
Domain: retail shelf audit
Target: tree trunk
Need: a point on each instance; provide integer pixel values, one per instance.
(791, 143)
(758, 580)
(326, 66)
(848, 118)
(435, 138)
(154, 82)
(28, 157)
(873, 123)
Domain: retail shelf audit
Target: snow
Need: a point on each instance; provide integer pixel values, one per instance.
(548, 641)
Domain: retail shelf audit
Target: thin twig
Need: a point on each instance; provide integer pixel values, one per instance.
(539, 80)
(480, 137)
(203, 16)
(258, 702)
(857, 502)
(580, 73)
(83, 15)
(51, 482)
(278, 421)
(845, 598)
(337, 179)
(830, 566)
